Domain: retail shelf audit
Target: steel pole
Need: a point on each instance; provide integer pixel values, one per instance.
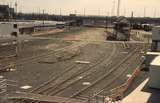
(118, 8)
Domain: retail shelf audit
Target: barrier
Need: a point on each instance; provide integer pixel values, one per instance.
(117, 93)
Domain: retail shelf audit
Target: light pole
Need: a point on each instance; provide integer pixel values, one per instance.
(99, 12)
(43, 17)
(113, 8)
(84, 12)
(118, 8)
(144, 12)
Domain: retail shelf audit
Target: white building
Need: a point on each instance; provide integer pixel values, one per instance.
(156, 38)
(8, 30)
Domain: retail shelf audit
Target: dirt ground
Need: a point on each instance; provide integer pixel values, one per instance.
(43, 59)
(36, 48)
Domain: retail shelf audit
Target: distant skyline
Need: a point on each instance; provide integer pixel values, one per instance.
(141, 8)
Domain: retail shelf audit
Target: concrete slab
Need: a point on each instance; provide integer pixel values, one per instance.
(143, 94)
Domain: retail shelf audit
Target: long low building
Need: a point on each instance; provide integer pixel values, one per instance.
(26, 27)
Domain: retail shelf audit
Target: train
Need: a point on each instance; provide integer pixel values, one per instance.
(145, 27)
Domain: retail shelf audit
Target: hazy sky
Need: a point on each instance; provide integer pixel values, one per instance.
(91, 7)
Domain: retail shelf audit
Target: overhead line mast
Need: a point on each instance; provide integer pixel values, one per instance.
(113, 8)
(118, 8)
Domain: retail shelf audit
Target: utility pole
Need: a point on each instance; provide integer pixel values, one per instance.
(113, 8)
(60, 12)
(75, 12)
(118, 8)
(131, 24)
(99, 12)
(107, 19)
(43, 17)
(144, 12)
(132, 15)
(55, 11)
(107, 23)
(10, 4)
(39, 13)
(16, 5)
(108, 13)
(84, 12)
(9, 13)
(124, 12)
(155, 13)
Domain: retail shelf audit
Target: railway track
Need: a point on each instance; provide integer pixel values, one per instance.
(37, 57)
(101, 78)
(105, 76)
(49, 89)
(66, 80)
(77, 77)
(107, 87)
(51, 83)
(99, 71)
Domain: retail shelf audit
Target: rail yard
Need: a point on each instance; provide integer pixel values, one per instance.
(78, 64)
(57, 51)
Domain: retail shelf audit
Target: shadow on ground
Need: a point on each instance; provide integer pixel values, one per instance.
(155, 94)
(140, 79)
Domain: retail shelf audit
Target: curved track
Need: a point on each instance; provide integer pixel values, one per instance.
(50, 86)
(104, 76)
(77, 77)
(119, 70)
(58, 86)
(37, 57)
